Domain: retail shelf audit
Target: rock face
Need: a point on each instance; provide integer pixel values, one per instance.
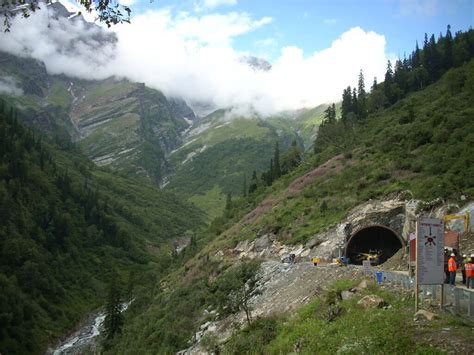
(267, 247)
(124, 125)
(390, 214)
(257, 64)
(372, 301)
(128, 126)
(396, 215)
(386, 213)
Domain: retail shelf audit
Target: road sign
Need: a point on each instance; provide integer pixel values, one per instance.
(430, 251)
(367, 267)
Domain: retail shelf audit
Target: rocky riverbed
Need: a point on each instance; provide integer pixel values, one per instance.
(86, 337)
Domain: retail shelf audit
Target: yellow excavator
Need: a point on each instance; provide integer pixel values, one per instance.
(452, 217)
(372, 256)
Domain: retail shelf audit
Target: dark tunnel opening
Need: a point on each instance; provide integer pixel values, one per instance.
(375, 243)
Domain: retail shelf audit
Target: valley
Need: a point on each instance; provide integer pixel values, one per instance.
(223, 228)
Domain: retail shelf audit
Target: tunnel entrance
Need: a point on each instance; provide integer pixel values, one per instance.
(375, 243)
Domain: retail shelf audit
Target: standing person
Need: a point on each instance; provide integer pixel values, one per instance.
(470, 272)
(446, 272)
(463, 268)
(452, 267)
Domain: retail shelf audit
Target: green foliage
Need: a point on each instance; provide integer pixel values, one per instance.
(221, 155)
(354, 330)
(422, 144)
(113, 321)
(253, 339)
(164, 320)
(66, 228)
(235, 288)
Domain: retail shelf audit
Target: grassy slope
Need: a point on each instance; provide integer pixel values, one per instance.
(355, 331)
(431, 156)
(371, 168)
(214, 162)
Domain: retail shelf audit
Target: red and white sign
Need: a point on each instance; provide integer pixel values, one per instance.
(430, 251)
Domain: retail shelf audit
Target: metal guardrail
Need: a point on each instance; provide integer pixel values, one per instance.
(461, 299)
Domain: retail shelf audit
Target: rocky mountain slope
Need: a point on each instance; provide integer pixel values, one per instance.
(137, 131)
(119, 124)
(220, 151)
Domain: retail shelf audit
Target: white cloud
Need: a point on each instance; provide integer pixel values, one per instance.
(73, 6)
(9, 86)
(200, 5)
(266, 42)
(192, 57)
(214, 28)
(72, 47)
(331, 21)
(127, 2)
(419, 7)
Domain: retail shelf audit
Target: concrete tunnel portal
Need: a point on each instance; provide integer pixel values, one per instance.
(373, 239)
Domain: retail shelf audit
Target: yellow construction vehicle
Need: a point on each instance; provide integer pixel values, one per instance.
(465, 217)
(372, 256)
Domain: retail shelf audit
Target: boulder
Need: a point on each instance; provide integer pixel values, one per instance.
(361, 286)
(205, 325)
(372, 301)
(422, 314)
(347, 295)
(244, 246)
(264, 242)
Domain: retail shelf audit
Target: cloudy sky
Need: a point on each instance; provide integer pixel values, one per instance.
(192, 48)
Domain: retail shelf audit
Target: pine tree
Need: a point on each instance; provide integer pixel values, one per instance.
(292, 158)
(228, 202)
(416, 57)
(361, 96)
(244, 193)
(388, 83)
(113, 316)
(253, 182)
(346, 105)
(269, 175)
(276, 162)
(448, 49)
(355, 103)
(434, 69)
(374, 84)
(400, 77)
(329, 115)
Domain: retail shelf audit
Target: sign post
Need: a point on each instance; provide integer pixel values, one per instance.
(367, 267)
(429, 254)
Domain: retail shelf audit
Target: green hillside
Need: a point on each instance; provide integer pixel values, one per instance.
(67, 229)
(119, 124)
(421, 146)
(219, 153)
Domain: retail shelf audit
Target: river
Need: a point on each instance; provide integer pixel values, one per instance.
(85, 337)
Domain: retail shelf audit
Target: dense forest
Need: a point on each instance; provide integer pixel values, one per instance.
(67, 229)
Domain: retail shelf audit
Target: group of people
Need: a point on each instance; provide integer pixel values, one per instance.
(453, 262)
